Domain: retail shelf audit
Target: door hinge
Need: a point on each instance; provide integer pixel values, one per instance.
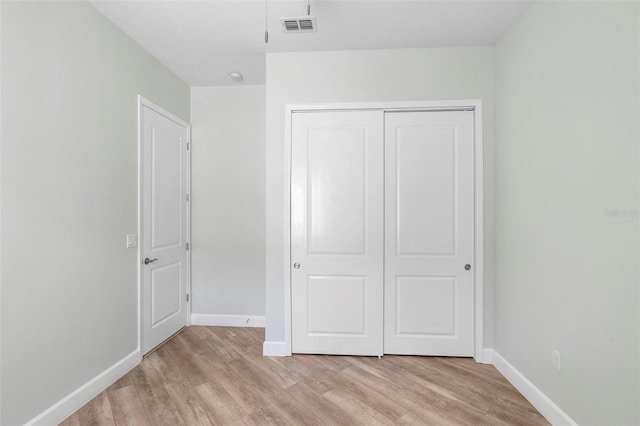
(187, 297)
(187, 146)
(187, 246)
(187, 197)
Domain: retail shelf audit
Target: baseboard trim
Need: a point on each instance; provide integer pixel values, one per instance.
(484, 357)
(228, 320)
(275, 349)
(534, 395)
(487, 356)
(78, 398)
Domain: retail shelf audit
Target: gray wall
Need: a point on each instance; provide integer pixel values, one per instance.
(566, 212)
(359, 76)
(69, 196)
(228, 126)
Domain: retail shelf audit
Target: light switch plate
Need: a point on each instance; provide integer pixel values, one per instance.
(132, 240)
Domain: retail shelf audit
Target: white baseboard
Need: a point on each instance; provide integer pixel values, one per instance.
(275, 349)
(484, 357)
(534, 395)
(487, 356)
(78, 398)
(228, 320)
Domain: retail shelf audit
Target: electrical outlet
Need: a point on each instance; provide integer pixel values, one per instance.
(132, 240)
(555, 359)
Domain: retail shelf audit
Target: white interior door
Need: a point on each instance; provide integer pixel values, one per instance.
(337, 232)
(429, 233)
(164, 234)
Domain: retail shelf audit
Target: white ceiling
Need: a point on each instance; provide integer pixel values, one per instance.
(202, 41)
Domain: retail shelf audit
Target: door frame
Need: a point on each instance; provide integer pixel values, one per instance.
(143, 102)
(443, 105)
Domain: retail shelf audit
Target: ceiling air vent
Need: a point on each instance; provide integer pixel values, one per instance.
(305, 24)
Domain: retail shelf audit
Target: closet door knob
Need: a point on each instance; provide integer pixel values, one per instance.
(296, 265)
(467, 267)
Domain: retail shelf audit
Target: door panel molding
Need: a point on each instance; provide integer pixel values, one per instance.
(478, 190)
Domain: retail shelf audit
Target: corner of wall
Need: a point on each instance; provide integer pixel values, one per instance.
(275, 349)
(81, 396)
(531, 392)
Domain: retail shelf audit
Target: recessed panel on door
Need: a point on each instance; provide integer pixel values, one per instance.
(337, 190)
(166, 209)
(165, 293)
(425, 306)
(429, 233)
(347, 313)
(337, 233)
(425, 188)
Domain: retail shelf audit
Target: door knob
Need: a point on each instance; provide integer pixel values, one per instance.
(148, 261)
(296, 265)
(467, 267)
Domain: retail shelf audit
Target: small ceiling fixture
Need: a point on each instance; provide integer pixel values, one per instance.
(235, 76)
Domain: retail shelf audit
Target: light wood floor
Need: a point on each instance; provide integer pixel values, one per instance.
(217, 375)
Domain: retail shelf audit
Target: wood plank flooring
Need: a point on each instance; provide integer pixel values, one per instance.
(218, 376)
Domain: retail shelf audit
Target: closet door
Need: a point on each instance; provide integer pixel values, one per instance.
(337, 232)
(429, 233)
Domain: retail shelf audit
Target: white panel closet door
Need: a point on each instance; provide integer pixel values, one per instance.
(337, 232)
(429, 233)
